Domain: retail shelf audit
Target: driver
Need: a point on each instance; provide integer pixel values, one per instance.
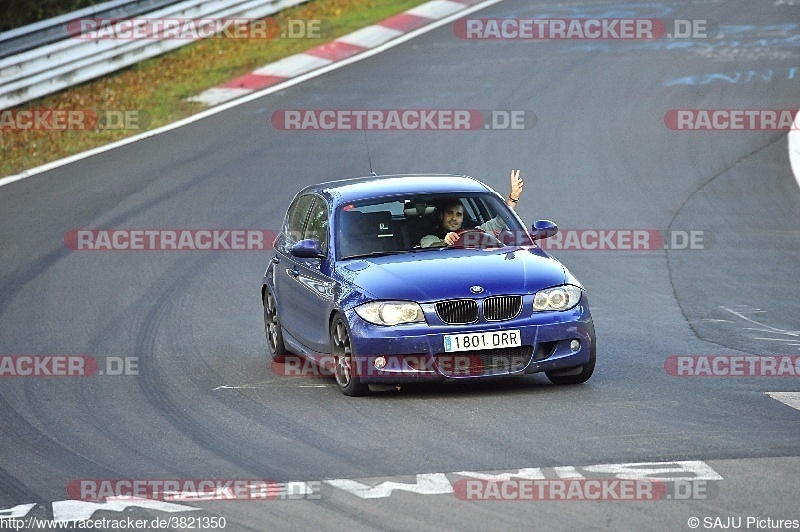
(451, 218)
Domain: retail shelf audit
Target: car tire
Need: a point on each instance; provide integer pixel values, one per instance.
(344, 364)
(272, 328)
(577, 378)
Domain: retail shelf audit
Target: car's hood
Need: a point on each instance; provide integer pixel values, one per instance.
(446, 274)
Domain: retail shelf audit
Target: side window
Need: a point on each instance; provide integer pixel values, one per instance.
(475, 209)
(296, 218)
(317, 227)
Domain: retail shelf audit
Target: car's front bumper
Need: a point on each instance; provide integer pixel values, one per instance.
(415, 352)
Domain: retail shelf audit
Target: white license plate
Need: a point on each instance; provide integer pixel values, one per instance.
(487, 340)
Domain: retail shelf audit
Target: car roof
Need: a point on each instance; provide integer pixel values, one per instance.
(347, 190)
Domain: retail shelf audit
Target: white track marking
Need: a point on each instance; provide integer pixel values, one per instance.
(788, 398)
(217, 95)
(426, 484)
(436, 9)
(370, 36)
(293, 66)
(83, 510)
(765, 328)
(794, 147)
(422, 484)
(528, 473)
(762, 327)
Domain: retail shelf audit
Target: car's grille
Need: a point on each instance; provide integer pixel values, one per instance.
(500, 308)
(457, 311)
(486, 362)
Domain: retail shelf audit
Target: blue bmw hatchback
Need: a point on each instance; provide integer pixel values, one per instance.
(351, 288)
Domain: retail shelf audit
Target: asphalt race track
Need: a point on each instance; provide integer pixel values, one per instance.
(203, 401)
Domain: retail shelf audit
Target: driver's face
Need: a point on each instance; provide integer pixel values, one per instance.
(453, 217)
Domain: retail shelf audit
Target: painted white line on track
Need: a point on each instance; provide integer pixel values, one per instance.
(431, 484)
(252, 96)
(794, 336)
(794, 147)
(293, 66)
(217, 95)
(370, 36)
(443, 483)
(72, 510)
(791, 399)
(436, 9)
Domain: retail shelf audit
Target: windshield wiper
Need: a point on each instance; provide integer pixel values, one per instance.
(376, 254)
(414, 250)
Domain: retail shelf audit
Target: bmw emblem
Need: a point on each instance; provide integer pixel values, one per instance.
(476, 289)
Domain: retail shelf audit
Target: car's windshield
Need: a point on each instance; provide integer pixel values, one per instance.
(413, 222)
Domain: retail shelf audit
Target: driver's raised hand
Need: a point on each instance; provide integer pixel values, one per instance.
(451, 238)
(516, 189)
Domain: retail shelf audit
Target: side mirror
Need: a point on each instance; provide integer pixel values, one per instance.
(543, 229)
(307, 249)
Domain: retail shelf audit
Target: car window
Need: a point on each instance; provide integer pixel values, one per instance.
(400, 223)
(394, 207)
(296, 218)
(476, 209)
(317, 225)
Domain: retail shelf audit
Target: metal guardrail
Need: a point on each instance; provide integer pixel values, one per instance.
(55, 29)
(70, 61)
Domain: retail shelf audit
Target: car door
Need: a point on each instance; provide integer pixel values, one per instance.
(304, 290)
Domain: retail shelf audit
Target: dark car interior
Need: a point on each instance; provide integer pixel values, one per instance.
(397, 225)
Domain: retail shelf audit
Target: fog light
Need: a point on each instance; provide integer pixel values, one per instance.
(380, 362)
(574, 345)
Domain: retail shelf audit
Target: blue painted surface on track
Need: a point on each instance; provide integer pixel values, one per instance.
(739, 39)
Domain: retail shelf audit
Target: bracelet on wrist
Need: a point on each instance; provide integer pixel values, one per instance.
(512, 199)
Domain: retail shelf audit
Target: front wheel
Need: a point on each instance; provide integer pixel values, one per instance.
(272, 328)
(581, 374)
(345, 369)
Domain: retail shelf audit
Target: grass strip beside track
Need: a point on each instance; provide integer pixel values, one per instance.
(155, 91)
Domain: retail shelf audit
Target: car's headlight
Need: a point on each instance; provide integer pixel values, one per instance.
(390, 312)
(557, 298)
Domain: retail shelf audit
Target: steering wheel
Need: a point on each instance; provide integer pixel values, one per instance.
(476, 238)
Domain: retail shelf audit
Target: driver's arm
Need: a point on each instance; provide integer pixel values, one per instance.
(431, 241)
(496, 225)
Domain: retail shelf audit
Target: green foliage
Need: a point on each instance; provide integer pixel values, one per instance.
(16, 13)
